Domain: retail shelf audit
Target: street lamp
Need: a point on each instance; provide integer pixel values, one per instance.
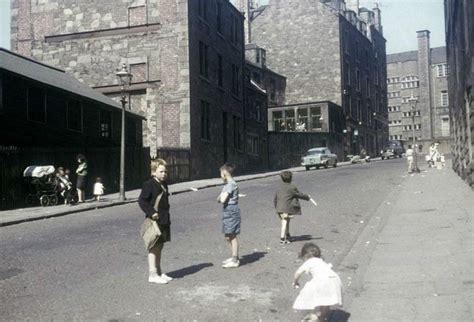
(124, 78)
(413, 101)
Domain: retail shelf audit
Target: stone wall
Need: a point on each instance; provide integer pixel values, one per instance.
(460, 50)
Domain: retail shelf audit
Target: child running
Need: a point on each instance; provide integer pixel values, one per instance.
(156, 189)
(229, 198)
(287, 204)
(324, 289)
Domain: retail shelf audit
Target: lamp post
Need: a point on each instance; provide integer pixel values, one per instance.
(124, 78)
(413, 102)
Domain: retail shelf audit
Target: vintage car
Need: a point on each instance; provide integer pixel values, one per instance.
(319, 157)
(393, 149)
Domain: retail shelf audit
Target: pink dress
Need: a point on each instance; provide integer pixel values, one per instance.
(324, 289)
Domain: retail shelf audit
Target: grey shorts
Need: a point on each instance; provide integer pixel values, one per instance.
(231, 220)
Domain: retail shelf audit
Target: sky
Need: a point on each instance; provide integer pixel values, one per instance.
(400, 19)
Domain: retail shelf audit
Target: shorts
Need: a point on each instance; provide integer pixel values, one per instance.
(165, 234)
(81, 182)
(231, 220)
(284, 215)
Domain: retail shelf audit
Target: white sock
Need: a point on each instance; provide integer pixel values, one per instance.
(153, 273)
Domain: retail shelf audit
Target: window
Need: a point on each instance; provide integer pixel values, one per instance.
(202, 9)
(137, 16)
(203, 60)
(205, 121)
(368, 86)
(36, 105)
(290, 120)
(220, 70)
(234, 30)
(253, 144)
(139, 72)
(235, 80)
(74, 115)
(105, 124)
(303, 119)
(316, 124)
(272, 89)
(261, 56)
(278, 122)
(445, 126)
(442, 70)
(237, 136)
(444, 98)
(219, 16)
(347, 73)
(359, 110)
(358, 80)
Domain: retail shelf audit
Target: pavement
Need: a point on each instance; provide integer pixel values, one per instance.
(16, 216)
(420, 264)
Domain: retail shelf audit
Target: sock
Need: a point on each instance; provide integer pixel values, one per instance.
(153, 272)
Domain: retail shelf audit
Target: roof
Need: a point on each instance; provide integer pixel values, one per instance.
(51, 76)
(438, 55)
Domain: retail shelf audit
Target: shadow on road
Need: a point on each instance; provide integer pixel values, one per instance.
(304, 238)
(180, 273)
(251, 258)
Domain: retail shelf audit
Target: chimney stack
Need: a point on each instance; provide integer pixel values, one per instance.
(353, 5)
(378, 18)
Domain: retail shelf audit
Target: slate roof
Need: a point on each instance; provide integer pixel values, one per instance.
(51, 76)
(438, 55)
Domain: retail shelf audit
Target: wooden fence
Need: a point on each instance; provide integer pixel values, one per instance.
(179, 163)
(102, 162)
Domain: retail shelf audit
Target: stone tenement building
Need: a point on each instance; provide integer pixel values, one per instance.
(423, 73)
(329, 50)
(187, 58)
(460, 50)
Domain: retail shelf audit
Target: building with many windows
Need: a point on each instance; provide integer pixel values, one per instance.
(334, 52)
(187, 58)
(423, 74)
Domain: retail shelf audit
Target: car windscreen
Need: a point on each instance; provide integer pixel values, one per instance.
(315, 152)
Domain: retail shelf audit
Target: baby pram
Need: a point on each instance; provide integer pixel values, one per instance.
(43, 186)
(46, 186)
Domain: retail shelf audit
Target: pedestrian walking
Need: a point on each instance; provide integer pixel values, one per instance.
(98, 188)
(287, 204)
(229, 198)
(409, 154)
(155, 191)
(81, 172)
(323, 291)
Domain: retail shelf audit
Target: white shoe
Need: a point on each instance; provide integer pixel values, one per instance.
(226, 261)
(157, 280)
(166, 277)
(231, 264)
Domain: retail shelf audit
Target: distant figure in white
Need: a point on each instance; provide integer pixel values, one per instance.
(410, 154)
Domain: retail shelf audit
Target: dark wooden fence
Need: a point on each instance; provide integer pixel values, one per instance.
(102, 162)
(179, 163)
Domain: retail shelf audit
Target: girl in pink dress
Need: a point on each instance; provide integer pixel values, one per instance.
(323, 291)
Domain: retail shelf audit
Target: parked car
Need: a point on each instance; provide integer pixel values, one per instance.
(319, 157)
(393, 149)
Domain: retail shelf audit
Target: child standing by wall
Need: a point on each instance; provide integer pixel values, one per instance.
(98, 188)
(324, 289)
(287, 204)
(155, 188)
(229, 198)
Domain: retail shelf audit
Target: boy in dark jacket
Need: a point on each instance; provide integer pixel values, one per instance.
(155, 188)
(287, 204)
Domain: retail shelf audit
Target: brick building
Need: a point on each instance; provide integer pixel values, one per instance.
(460, 51)
(187, 58)
(335, 52)
(423, 73)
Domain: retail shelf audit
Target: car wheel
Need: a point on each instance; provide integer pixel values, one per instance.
(383, 158)
(399, 156)
(317, 167)
(307, 168)
(335, 164)
(326, 165)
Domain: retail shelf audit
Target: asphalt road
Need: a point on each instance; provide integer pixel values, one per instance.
(92, 265)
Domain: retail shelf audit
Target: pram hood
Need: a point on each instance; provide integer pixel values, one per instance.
(38, 171)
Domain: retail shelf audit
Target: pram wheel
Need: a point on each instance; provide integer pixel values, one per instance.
(44, 200)
(53, 200)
